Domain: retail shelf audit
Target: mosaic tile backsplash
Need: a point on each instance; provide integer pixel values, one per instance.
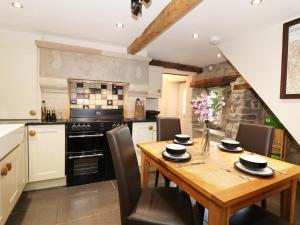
(88, 95)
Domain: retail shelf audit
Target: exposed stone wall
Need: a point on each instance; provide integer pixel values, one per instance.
(243, 107)
(222, 69)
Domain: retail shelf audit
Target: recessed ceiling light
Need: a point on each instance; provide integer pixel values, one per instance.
(195, 36)
(17, 5)
(214, 40)
(256, 2)
(219, 55)
(119, 25)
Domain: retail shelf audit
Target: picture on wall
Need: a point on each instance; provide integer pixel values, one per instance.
(290, 71)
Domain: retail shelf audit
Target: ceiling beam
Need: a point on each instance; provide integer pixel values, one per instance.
(174, 11)
(176, 66)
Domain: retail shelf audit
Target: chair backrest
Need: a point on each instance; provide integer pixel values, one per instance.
(256, 138)
(126, 169)
(167, 128)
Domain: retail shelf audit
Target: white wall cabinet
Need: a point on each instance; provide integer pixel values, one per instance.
(13, 180)
(155, 81)
(19, 80)
(46, 152)
(143, 132)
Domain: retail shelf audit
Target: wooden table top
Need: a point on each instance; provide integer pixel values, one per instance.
(212, 180)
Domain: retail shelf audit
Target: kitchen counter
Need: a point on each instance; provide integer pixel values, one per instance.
(32, 122)
(141, 120)
(10, 136)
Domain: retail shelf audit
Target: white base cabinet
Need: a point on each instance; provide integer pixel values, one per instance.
(143, 132)
(13, 180)
(46, 152)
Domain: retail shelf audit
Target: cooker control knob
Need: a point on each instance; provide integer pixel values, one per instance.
(83, 127)
(88, 127)
(114, 125)
(73, 127)
(78, 127)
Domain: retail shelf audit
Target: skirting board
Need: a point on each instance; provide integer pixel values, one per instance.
(46, 184)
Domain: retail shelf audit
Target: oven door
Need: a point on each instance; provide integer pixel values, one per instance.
(85, 158)
(85, 167)
(86, 142)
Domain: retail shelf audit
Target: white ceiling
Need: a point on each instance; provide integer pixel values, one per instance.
(94, 20)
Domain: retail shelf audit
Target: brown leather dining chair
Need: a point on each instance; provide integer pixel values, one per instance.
(167, 128)
(257, 139)
(144, 206)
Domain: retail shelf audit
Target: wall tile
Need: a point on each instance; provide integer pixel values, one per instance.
(96, 95)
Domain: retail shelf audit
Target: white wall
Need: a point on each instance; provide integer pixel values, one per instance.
(55, 92)
(257, 56)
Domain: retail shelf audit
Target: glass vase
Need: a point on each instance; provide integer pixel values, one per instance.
(205, 144)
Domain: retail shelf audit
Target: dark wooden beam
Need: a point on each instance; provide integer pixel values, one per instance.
(242, 86)
(174, 11)
(214, 81)
(177, 66)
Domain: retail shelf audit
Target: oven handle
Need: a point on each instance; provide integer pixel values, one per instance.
(84, 135)
(85, 156)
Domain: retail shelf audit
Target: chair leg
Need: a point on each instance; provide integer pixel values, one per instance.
(201, 211)
(156, 178)
(264, 204)
(167, 182)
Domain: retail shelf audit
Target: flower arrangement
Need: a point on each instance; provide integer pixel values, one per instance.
(208, 107)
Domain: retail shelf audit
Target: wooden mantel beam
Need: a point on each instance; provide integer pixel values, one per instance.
(174, 11)
(176, 66)
(213, 81)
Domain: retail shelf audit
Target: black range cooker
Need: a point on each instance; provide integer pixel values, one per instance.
(88, 157)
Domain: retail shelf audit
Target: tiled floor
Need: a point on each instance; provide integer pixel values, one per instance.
(91, 204)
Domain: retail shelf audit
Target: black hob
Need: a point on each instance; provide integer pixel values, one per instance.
(88, 157)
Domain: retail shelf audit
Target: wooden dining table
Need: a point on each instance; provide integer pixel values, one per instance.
(214, 182)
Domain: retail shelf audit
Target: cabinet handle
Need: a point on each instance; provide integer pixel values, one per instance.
(9, 166)
(32, 112)
(150, 127)
(4, 171)
(159, 91)
(32, 133)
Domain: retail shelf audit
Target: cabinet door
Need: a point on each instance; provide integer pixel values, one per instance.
(19, 80)
(142, 133)
(22, 167)
(155, 81)
(9, 183)
(46, 152)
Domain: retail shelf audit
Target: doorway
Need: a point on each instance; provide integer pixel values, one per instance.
(176, 98)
